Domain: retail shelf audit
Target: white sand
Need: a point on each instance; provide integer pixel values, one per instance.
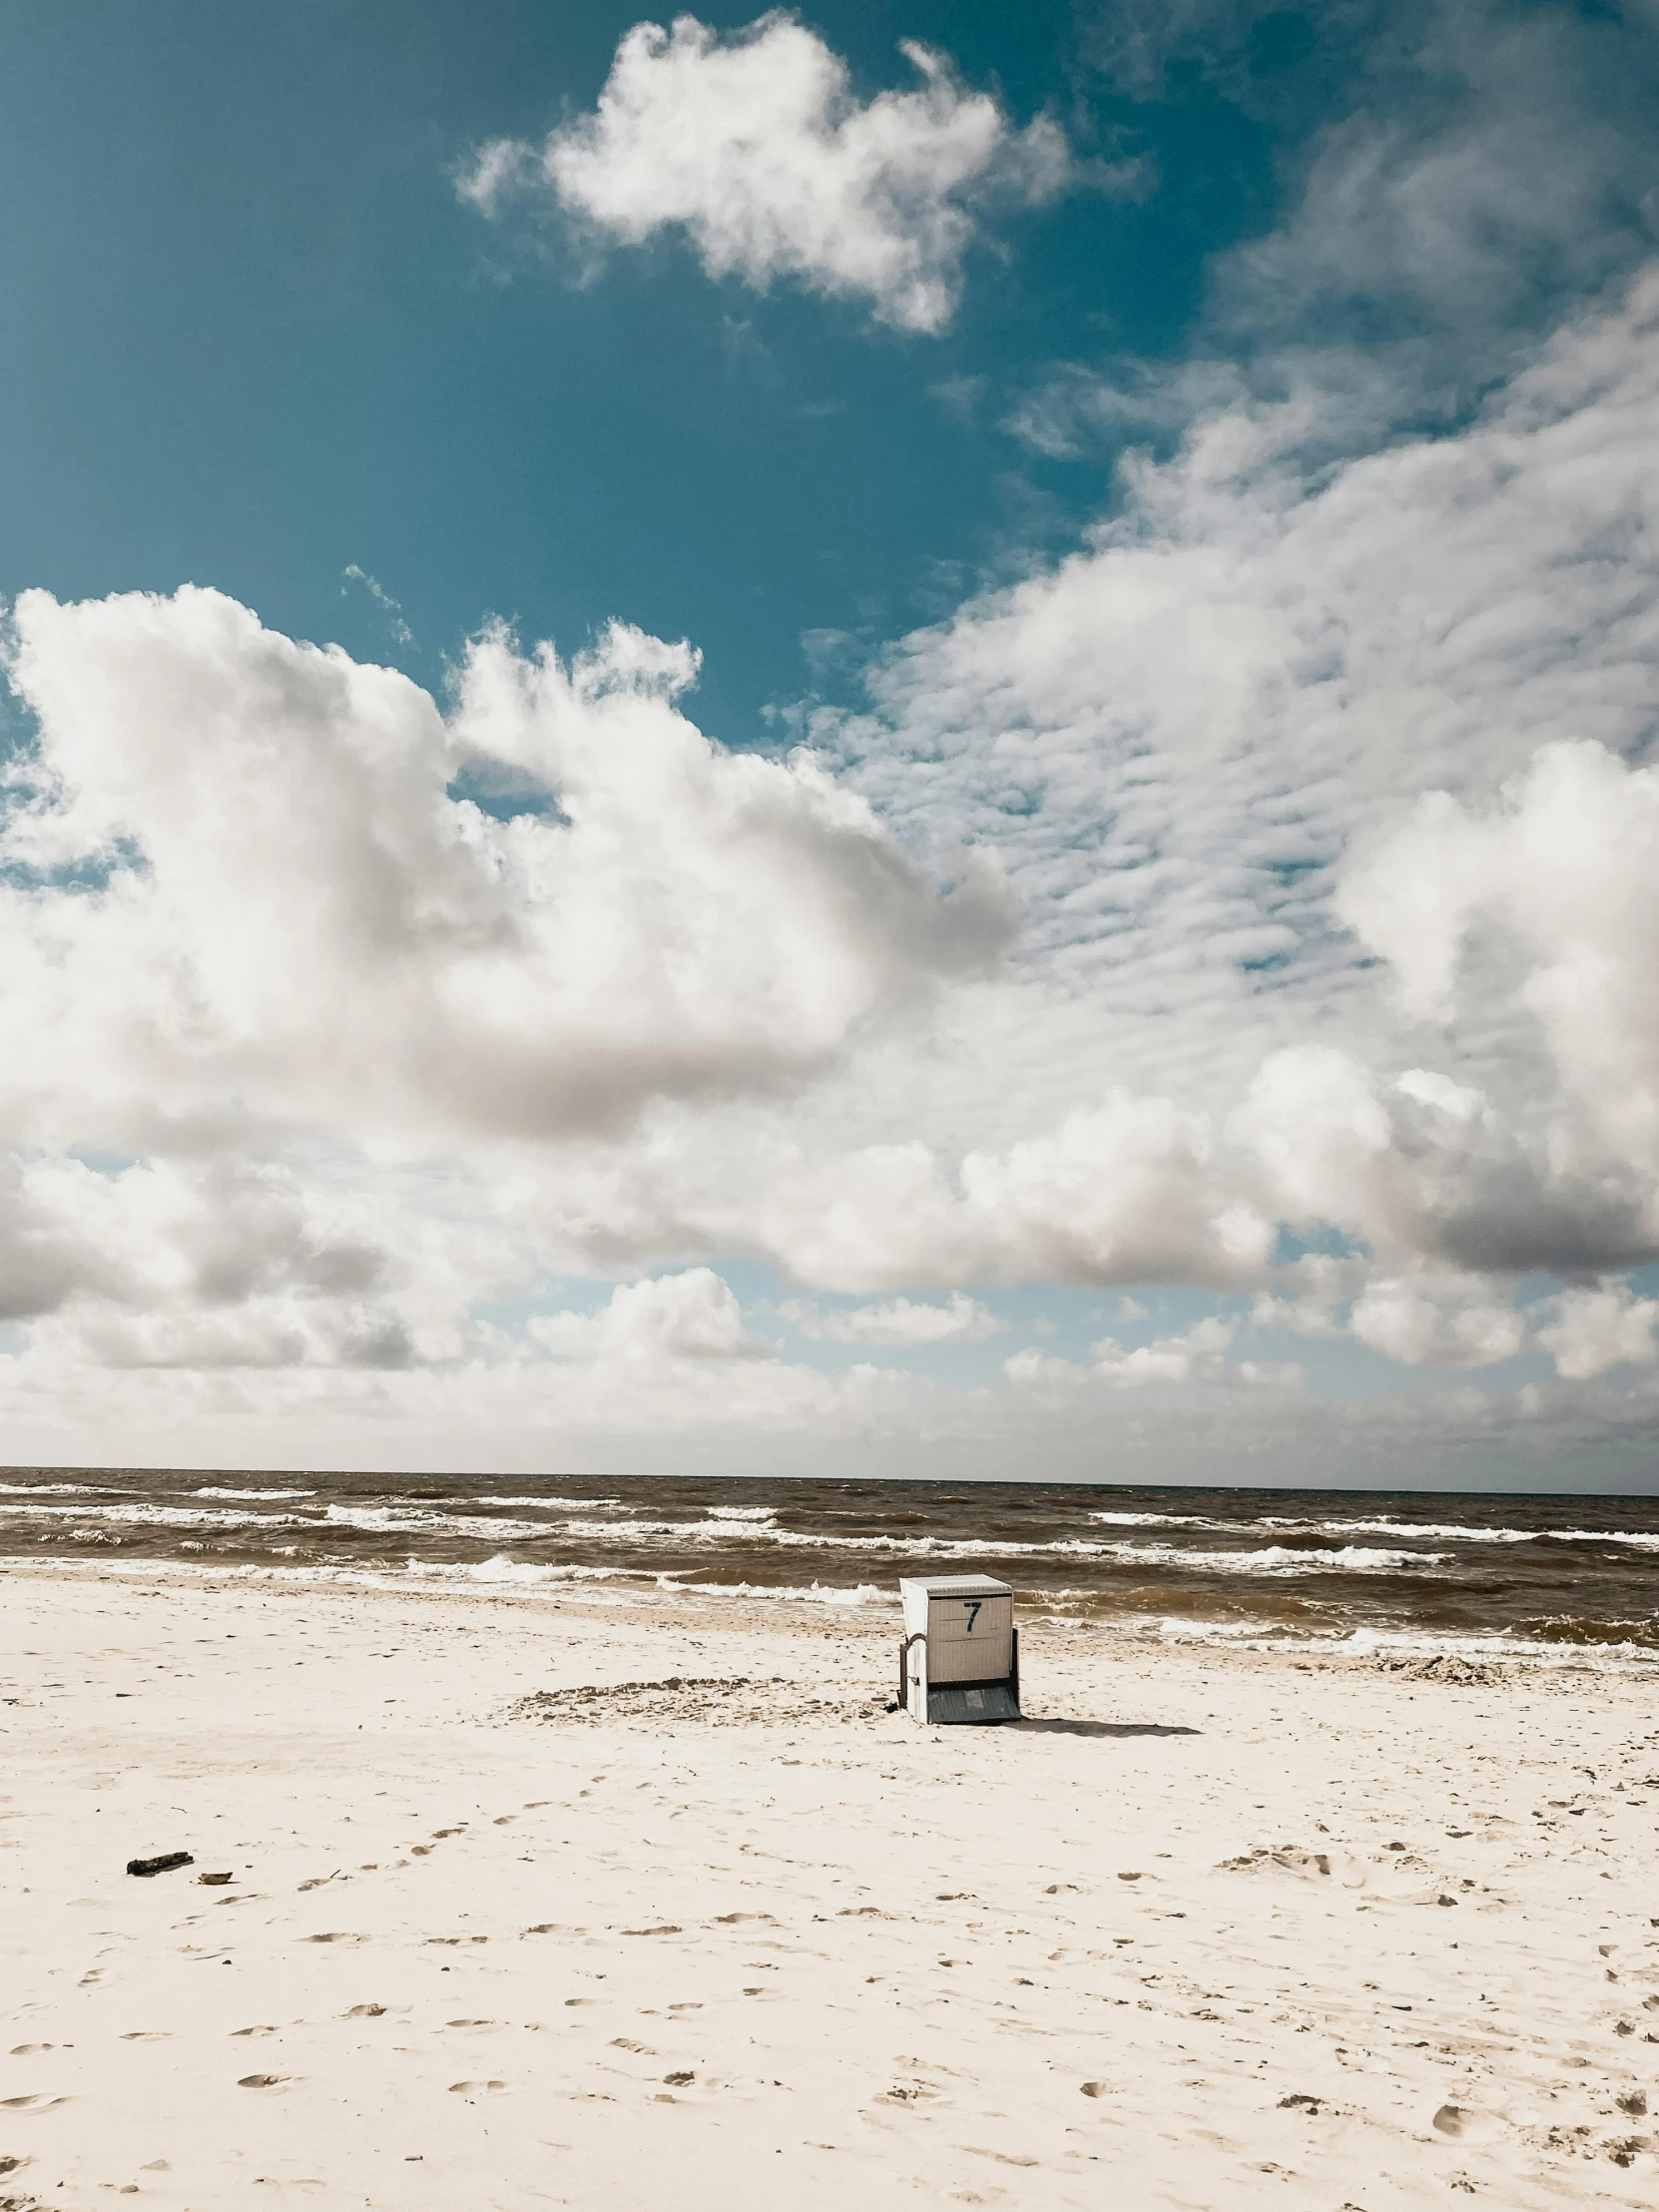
(721, 1949)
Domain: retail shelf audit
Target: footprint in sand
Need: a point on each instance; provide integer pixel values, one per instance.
(1457, 2120)
(475, 2088)
(38, 2104)
(336, 1935)
(262, 2081)
(147, 2035)
(357, 2013)
(28, 2050)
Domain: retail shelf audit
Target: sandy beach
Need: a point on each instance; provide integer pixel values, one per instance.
(1211, 1929)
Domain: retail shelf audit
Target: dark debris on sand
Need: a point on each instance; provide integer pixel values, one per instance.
(1446, 1667)
(724, 1701)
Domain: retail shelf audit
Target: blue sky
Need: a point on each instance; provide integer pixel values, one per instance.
(1186, 476)
(256, 338)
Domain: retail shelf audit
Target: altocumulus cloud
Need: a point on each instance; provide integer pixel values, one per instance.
(756, 148)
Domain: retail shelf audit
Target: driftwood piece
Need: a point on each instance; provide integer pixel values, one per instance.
(161, 1864)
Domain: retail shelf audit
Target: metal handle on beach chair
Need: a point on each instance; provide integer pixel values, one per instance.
(904, 1668)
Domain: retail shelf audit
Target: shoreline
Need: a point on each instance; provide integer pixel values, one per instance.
(538, 1591)
(695, 1943)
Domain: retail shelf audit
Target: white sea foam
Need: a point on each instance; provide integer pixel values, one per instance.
(799, 1539)
(1421, 1643)
(256, 1493)
(523, 1573)
(551, 1505)
(812, 1593)
(54, 1489)
(1177, 1630)
(1461, 1532)
(1406, 1644)
(396, 1520)
(1168, 1520)
(160, 1516)
(1282, 1559)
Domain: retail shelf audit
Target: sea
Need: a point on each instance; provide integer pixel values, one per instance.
(1531, 1576)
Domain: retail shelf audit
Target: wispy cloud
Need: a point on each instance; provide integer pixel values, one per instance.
(898, 1322)
(383, 600)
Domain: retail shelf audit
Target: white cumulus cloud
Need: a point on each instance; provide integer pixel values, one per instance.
(691, 1316)
(757, 148)
(257, 904)
(1568, 865)
(1590, 1330)
(1198, 1356)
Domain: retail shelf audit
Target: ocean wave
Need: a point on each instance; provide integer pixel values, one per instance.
(1642, 1540)
(1437, 1531)
(812, 1593)
(1629, 1655)
(1458, 1532)
(1281, 1560)
(55, 1489)
(1177, 1629)
(1502, 1644)
(399, 1521)
(389, 1520)
(551, 1505)
(256, 1493)
(520, 1573)
(1171, 1520)
(762, 1534)
(159, 1516)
